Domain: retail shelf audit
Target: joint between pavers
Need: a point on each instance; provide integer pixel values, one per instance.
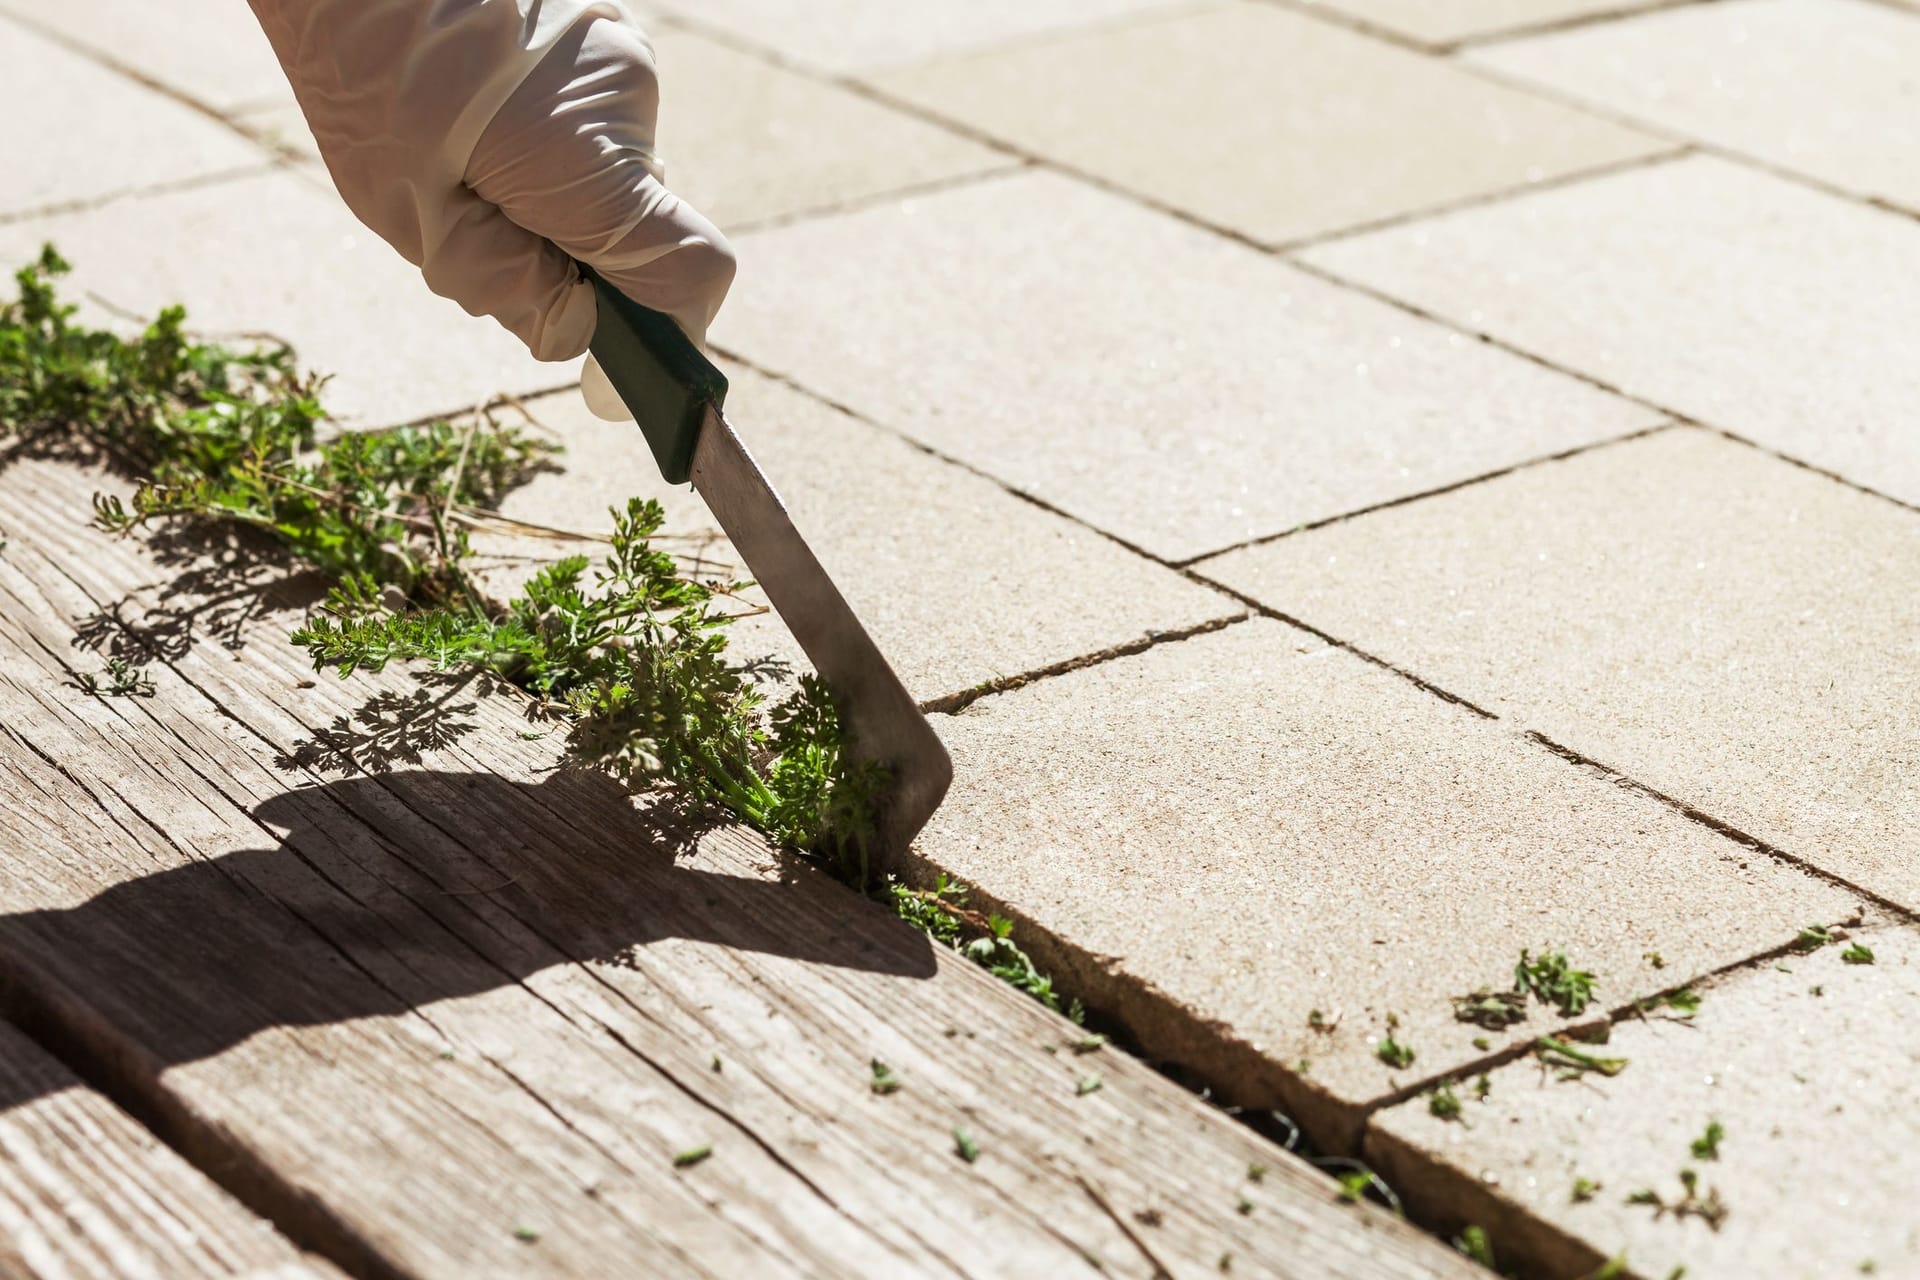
(281, 157)
(1700, 146)
(1573, 22)
(1441, 491)
(93, 203)
(1675, 150)
(859, 204)
(1733, 437)
(1724, 828)
(955, 703)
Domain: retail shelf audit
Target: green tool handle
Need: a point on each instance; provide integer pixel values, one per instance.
(661, 376)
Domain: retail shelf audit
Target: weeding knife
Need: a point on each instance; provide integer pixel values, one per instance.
(676, 395)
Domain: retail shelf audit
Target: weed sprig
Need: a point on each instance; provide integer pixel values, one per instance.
(633, 658)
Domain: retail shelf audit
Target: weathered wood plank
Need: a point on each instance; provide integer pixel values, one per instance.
(86, 1192)
(408, 1012)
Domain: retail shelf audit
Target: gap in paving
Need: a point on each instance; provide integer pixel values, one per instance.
(92, 203)
(280, 157)
(1287, 248)
(1573, 23)
(1698, 146)
(1390, 503)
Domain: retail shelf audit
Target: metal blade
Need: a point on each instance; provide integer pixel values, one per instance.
(887, 725)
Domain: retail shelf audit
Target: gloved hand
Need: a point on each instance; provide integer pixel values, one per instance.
(493, 142)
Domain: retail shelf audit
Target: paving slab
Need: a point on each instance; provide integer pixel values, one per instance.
(213, 53)
(960, 582)
(281, 126)
(746, 141)
(276, 253)
(1820, 87)
(78, 132)
(852, 35)
(1639, 278)
(1808, 1064)
(1734, 631)
(1217, 396)
(1218, 836)
(1445, 22)
(1269, 137)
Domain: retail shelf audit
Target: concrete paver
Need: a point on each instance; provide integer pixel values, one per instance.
(213, 53)
(1729, 629)
(1820, 87)
(281, 125)
(1218, 396)
(1808, 1065)
(279, 254)
(1274, 157)
(1743, 300)
(1443, 22)
(1217, 836)
(745, 141)
(959, 581)
(852, 35)
(78, 132)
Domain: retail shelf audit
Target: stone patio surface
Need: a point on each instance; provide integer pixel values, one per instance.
(1364, 486)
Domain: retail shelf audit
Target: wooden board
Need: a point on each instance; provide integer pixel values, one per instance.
(86, 1192)
(457, 1015)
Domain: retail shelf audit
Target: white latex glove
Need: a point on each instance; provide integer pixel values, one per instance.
(493, 142)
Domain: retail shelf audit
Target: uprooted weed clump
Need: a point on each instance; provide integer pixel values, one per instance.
(631, 655)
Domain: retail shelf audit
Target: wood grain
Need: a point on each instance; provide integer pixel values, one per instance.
(454, 1015)
(85, 1192)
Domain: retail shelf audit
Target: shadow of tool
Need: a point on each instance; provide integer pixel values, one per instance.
(387, 893)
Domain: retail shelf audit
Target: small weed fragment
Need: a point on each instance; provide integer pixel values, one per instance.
(1354, 1184)
(1245, 1207)
(1474, 1244)
(1654, 958)
(1584, 1189)
(1817, 989)
(1225, 1264)
(1483, 1086)
(1482, 1043)
(1814, 937)
(1491, 1009)
(884, 1080)
(1320, 1022)
(1149, 1218)
(1679, 1272)
(1858, 953)
(692, 1156)
(964, 1146)
(1393, 1053)
(1684, 1003)
(1089, 1044)
(1868, 1266)
(1570, 1063)
(1707, 1145)
(526, 1235)
(1087, 1084)
(1710, 1208)
(1443, 1103)
(121, 679)
(1554, 980)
